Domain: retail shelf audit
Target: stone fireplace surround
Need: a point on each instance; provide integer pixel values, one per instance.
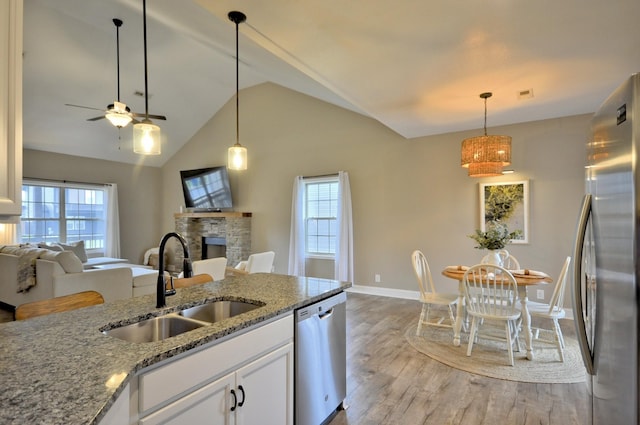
(230, 228)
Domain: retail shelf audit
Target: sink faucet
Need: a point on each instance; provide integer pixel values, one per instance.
(161, 290)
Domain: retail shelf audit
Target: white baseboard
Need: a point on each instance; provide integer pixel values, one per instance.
(385, 292)
(406, 294)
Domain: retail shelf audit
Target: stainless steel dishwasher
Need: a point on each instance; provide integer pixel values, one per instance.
(320, 360)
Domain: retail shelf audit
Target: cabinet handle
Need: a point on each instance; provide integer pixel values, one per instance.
(235, 400)
(241, 388)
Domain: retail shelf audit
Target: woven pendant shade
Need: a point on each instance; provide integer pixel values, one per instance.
(485, 169)
(485, 156)
(486, 150)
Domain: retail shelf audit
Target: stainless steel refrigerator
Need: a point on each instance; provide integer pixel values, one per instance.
(606, 271)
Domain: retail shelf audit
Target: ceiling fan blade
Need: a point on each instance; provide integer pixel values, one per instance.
(155, 117)
(85, 107)
(96, 118)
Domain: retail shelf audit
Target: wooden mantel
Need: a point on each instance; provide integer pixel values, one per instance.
(226, 214)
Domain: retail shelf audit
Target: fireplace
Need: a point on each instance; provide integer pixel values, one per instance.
(213, 234)
(213, 247)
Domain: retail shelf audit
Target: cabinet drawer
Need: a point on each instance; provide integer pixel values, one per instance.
(176, 377)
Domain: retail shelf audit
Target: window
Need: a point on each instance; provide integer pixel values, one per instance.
(321, 211)
(64, 212)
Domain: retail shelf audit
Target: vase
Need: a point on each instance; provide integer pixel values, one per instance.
(494, 258)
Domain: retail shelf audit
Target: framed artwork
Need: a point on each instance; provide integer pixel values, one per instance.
(508, 203)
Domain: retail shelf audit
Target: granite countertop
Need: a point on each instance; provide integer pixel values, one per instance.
(60, 369)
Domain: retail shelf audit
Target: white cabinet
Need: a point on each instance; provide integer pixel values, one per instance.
(10, 109)
(258, 393)
(245, 380)
(118, 413)
(266, 390)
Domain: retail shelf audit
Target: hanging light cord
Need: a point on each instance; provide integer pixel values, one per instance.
(485, 116)
(146, 87)
(118, 22)
(485, 96)
(237, 88)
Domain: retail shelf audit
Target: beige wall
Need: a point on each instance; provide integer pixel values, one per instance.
(139, 193)
(406, 194)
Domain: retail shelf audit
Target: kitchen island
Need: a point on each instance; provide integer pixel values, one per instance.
(61, 369)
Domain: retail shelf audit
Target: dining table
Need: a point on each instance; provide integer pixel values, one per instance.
(523, 277)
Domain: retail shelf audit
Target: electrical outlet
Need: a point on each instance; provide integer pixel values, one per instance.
(540, 294)
(377, 278)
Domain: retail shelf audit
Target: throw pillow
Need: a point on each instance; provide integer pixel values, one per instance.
(77, 248)
(69, 262)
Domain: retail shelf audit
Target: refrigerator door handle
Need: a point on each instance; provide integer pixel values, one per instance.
(576, 292)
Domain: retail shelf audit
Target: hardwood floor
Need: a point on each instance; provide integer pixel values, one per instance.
(388, 382)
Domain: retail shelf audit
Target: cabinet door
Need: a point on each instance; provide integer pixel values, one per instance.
(118, 413)
(10, 108)
(265, 389)
(209, 405)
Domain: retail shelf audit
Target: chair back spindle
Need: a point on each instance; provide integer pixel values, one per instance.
(557, 298)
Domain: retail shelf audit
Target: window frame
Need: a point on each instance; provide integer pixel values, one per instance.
(313, 181)
(63, 220)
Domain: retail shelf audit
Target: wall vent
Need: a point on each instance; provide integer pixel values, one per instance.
(525, 94)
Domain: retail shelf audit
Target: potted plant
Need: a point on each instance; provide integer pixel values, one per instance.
(495, 238)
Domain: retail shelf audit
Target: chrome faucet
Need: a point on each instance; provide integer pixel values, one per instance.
(161, 290)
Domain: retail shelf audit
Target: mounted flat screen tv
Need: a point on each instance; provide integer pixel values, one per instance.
(206, 189)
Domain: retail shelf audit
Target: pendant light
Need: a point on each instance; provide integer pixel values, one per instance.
(485, 156)
(146, 135)
(237, 154)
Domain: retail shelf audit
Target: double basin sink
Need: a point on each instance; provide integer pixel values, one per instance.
(173, 324)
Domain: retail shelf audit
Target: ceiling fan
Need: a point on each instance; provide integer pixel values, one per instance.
(117, 112)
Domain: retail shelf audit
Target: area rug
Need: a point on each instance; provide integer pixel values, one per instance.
(490, 358)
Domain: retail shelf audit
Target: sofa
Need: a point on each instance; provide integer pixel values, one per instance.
(33, 274)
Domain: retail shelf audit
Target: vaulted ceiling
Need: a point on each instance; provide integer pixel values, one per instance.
(416, 66)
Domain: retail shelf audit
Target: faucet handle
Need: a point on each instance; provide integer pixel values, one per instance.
(172, 289)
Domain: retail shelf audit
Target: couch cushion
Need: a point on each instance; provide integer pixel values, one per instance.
(52, 246)
(69, 262)
(97, 262)
(77, 248)
(144, 277)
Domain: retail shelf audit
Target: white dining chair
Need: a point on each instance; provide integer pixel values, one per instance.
(490, 294)
(507, 260)
(428, 295)
(553, 310)
(261, 262)
(214, 267)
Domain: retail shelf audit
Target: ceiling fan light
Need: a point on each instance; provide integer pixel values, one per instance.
(120, 107)
(146, 138)
(237, 157)
(118, 119)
